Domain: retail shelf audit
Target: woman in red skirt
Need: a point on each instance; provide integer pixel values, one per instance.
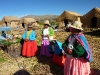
(29, 47)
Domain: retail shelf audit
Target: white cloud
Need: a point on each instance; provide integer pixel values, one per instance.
(22, 15)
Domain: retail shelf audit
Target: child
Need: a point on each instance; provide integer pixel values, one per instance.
(56, 47)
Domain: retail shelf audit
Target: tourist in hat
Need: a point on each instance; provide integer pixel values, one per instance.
(47, 33)
(78, 52)
(55, 47)
(29, 47)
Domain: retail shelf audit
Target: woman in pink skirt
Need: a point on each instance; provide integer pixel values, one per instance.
(78, 52)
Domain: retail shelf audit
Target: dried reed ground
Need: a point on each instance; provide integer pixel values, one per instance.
(9, 65)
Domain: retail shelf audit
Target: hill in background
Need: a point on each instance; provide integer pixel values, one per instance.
(42, 17)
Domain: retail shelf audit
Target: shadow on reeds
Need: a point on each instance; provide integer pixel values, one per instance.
(54, 68)
(93, 33)
(95, 71)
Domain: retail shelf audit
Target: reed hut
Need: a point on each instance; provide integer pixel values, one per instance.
(68, 16)
(91, 19)
(25, 21)
(10, 21)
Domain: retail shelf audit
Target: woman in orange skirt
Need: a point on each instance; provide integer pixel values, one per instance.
(29, 47)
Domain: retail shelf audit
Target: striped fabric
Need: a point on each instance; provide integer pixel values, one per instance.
(82, 40)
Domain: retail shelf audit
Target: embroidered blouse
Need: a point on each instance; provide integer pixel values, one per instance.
(30, 35)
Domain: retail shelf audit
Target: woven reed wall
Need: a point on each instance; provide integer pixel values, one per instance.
(86, 19)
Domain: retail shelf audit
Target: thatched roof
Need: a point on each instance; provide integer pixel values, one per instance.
(87, 19)
(9, 19)
(68, 15)
(95, 12)
(28, 20)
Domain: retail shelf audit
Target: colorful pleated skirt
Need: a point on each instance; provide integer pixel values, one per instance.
(29, 48)
(76, 66)
(44, 48)
(60, 60)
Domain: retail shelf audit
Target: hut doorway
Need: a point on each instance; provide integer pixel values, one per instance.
(23, 25)
(66, 22)
(93, 22)
(6, 23)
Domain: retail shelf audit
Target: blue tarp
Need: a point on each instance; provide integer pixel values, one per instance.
(2, 38)
(5, 28)
(8, 36)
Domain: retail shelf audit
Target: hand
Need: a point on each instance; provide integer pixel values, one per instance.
(63, 53)
(26, 39)
(69, 51)
(46, 35)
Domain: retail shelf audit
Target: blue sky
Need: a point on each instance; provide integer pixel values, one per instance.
(21, 8)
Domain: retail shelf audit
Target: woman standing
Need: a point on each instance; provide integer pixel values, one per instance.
(46, 33)
(29, 47)
(78, 52)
